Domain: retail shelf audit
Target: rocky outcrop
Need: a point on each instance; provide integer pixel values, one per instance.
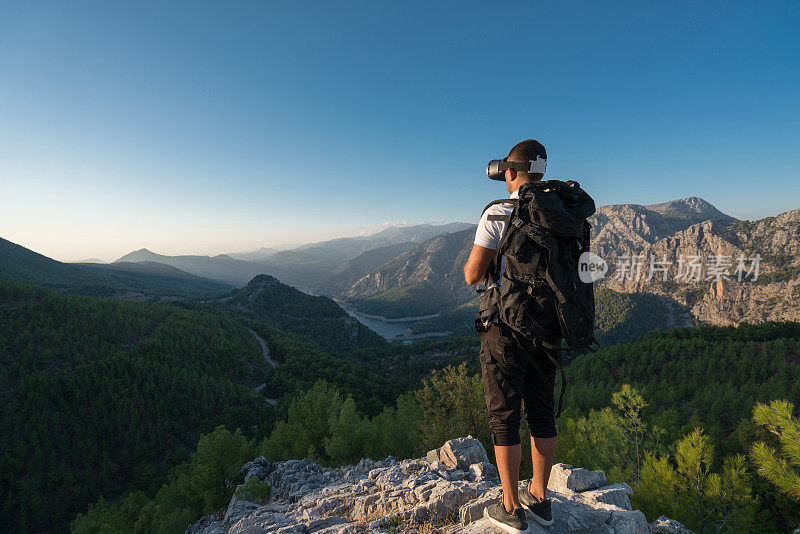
(446, 492)
(624, 227)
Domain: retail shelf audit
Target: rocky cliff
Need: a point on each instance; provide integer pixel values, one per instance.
(446, 492)
(722, 300)
(621, 227)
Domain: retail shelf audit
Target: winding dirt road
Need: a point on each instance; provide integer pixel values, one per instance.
(270, 361)
(264, 349)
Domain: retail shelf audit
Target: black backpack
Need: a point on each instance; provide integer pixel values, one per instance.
(540, 294)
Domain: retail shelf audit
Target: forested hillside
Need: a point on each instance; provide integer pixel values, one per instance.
(146, 280)
(421, 281)
(157, 278)
(703, 375)
(101, 394)
(317, 319)
(672, 416)
(354, 268)
(695, 392)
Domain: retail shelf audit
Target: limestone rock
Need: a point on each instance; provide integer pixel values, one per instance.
(473, 510)
(258, 468)
(459, 453)
(450, 488)
(613, 494)
(483, 471)
(564, 477)
(628, 522)
(237, 509)
(210, 524)
(444, 502)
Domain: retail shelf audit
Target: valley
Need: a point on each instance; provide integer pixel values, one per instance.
(406, 282)
(415, 272)
(147, 332)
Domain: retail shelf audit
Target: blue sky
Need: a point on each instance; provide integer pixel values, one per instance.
(208, 127)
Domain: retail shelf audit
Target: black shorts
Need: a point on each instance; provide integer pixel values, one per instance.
(520, 372)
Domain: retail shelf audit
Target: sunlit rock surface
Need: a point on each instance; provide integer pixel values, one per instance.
(446, 492)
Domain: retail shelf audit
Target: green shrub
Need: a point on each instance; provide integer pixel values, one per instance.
(253, 491)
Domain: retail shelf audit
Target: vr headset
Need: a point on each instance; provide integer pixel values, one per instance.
(496, 168)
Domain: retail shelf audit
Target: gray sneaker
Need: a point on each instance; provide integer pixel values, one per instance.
(512, 523)
(540, 509)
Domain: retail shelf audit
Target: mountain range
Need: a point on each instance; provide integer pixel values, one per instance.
(427, 278)
(434, 266)
(133, 280)
(410, 271)
(326, 266)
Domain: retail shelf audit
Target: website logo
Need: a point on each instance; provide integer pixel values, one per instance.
(591, 267)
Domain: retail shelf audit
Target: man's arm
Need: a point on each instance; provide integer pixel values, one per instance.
(478, 262)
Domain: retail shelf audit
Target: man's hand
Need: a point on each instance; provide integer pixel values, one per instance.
(478, 262)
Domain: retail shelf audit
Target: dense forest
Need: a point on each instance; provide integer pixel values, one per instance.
(688, 379)
(662, 428)
(100, 395)
(707, 375)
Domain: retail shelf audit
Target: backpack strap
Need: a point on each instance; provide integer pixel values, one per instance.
(494, 268)
(499, 201)
(547, 348)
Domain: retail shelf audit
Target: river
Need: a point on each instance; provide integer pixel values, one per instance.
(392, 329)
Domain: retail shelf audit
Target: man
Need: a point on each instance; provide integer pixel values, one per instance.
(520, 371)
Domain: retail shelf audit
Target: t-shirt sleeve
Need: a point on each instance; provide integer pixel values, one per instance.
(489, 232)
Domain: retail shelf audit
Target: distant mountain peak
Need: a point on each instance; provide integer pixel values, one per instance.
(688, 208)
(261, 281)
(139, 255)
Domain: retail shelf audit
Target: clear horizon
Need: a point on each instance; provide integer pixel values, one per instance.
(279, 246)
(194, 128)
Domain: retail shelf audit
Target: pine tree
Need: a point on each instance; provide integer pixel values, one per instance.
(348, 434)
(781, 465)
(692, 493)
(453, 405)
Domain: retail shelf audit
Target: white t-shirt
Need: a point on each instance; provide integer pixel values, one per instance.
(490, 233)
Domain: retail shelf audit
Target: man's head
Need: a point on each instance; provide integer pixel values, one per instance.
(523, 152)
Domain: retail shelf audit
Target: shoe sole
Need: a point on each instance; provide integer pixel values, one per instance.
(503, 526)
(542, 521)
